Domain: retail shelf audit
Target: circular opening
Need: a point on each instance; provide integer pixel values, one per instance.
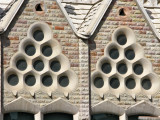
(122, 68)
(47, 51)
(114, 83)
(55, 66)
(130, 54)
(138, 69)
(21, 64)
(13, 79)
(146, 84)
(38, 35)
(30, 80)
(121, 39)
(30, 50)
(130, 83)
(106, 68)
(47, 80)
(98, 82)
(38, 65)
(64, 81)
(114, 54)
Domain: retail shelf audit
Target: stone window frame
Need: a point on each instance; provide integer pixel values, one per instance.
(58, 105)
(21, 105)
(61, 106)
(57, 55)
(108, 107)
(139, 58)
(142, 107)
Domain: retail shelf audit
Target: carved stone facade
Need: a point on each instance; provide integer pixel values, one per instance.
(98, 62)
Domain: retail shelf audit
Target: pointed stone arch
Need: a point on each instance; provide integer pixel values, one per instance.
(60, 105)
(21, 105)
(107, 107)
(143, 107)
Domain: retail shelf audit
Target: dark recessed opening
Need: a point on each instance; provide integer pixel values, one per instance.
(130, 83)
(121, 39)
(30, 50)
(114, 54)
(121, 12)
(21, 64)
(55, 66)
(58, 116)
(38, 35)
(64, 81)
(146, 84)
(138, 69)
(47, 80)
(38, 65)
(103, 116)
(13, 79)
(47, 51)
(106, 68)
(114, 83)
(136, 117)
(18, 116)
(130, 54)
(30, 80)
(122, 68)
(98, 82)
(38, 7)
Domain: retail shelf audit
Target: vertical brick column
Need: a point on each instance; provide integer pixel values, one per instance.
(84, 81)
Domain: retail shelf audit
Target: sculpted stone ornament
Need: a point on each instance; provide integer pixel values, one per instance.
(39, 65)
(124, 68)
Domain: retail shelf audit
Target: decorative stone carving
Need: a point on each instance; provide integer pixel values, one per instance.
(124, 68)
(40, 65)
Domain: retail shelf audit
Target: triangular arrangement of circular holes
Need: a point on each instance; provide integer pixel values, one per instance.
(124, 68)
(40, 65)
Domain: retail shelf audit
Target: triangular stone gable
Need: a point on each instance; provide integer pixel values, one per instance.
(107, 107)
(21, 104)
(143, 107)
(60, 105)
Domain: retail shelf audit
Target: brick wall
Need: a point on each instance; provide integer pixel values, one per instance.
(135, 20)
(75, 49)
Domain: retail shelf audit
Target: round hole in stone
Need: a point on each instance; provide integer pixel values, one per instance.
(121, 39)
(114, 83)
(55, 66)
(138, 69)
(146, 84)
(30, 50)
(63, 81)
(130, 83)
(98, 82)
(106, 68)
(114, 53)
(38, 35)
(21, 64)
(47, 51)
(130, 54)
(122, 68)
(47, 80)
(38, 65)
(30, 80)
(13, 79)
